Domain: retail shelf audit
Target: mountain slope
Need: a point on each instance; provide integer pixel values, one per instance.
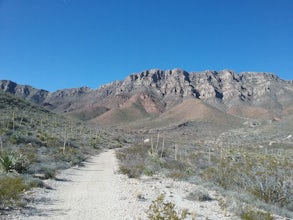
(139, 106)
(193, 110)
(190, 113)
(153, 92)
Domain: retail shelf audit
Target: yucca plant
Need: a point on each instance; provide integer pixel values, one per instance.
(7, 161)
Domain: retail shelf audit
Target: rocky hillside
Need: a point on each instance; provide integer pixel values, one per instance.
(153, 92)
(35, 95)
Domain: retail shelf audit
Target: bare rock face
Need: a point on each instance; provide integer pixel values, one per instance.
(155, 91)
(266, 90)
(34, 95)
(171, 82)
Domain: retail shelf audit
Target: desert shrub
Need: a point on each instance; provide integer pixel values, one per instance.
(161, 210)
(139, 159)
(33, 182)
(11, 189)
(176, 174)
(50, 173)
(172, 164)
(94, 142)
(148, 171)
(120, 155)
(71, 155)
(7, 161)
(29, 153)
(12, 161)
(256, 215)
(133, 161)
(132, 169)
(21, 163)
(125, 171)
(266, 176)
(176, 169)
(199, 195)
(16, 139)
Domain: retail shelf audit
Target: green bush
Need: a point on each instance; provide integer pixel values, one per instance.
(11, 189)
(256, 215)
(16, 139)
(21, 163)
(148, 171)
(161, 210)
(7, 161)
(50, 173)
(11, 161)
(94, 142)
(71, 155)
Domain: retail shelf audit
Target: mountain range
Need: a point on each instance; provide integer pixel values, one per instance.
(164, 97)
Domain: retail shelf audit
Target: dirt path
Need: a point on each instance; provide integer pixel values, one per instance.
(97, 191)
(87, 192)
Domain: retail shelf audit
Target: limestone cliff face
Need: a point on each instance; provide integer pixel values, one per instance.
(35, 95)
(224, 87)
(171, 82)
(156, 90)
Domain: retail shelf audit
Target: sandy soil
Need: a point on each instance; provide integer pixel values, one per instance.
(97, 191)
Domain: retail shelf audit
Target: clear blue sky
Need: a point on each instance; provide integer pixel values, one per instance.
(55, 44)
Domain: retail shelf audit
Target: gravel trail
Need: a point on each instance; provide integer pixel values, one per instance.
(87, 192)
(97, 191)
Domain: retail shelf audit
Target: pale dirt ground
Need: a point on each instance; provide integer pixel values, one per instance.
(97, 191)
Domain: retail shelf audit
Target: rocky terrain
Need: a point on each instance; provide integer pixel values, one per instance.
(215, 142)
(150, 93)
(119, 197)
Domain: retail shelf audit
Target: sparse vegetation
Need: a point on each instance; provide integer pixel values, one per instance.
(133, 161)
(36, 141)
(160, 209)
(11, 161)
(199, 195)
(264, 173)
(148, 159)
(267, 176)
(50, 173)
(259, 215)
(11, 188)
(254, 160)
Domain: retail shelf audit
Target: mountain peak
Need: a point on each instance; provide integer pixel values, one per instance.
(155, 91)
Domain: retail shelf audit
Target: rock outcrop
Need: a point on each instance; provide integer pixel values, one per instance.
(27, 92)
(155, 91)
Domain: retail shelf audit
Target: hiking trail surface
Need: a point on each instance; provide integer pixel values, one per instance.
(97, 191)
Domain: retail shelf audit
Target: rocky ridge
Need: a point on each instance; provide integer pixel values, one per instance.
(156, 91)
